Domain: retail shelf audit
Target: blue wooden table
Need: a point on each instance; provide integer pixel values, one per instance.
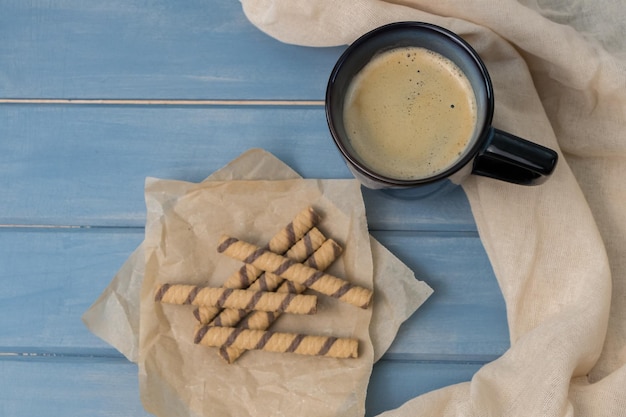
(96, 96)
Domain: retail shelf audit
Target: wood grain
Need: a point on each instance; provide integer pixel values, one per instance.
(155, 50)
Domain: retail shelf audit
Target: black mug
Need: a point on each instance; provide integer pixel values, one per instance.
(488, 151)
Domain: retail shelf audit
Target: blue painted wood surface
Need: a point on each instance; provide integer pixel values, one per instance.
(176, 89)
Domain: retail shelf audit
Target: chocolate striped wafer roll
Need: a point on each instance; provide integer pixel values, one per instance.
(302, 250)
(262, 320)
(294, 231)
(306, 246)
(296, 272)
(302, 344)
(235, 298)
(280, 243)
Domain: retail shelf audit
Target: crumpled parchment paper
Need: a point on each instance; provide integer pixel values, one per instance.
(251, 198)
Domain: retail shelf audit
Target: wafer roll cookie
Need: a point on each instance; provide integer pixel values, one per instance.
(296, 272)
(306, 246)
(262, 320)
(233, 298)
(294, 231)
(303, 249)
(280, 342)
(280, 243)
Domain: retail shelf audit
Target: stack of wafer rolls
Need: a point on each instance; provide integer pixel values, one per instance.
(266, 286)
(262, 320)
(302, 250)
(323, 257)
(294, 231)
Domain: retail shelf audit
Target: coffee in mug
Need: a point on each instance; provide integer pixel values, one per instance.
(410, 113)
(410, 106)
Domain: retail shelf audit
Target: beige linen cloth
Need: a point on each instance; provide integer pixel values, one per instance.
(558, 250)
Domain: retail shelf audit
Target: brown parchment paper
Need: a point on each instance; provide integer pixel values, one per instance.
(116, 318)
(183, 227)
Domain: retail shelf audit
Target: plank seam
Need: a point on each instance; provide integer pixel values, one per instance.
(161, 102)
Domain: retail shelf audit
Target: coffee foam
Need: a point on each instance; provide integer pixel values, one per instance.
(410, 113)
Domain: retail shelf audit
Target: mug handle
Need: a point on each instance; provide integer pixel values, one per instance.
(512, 159)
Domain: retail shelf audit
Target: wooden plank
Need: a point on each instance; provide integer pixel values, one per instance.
(52, 276)
(86, 165)
(92, 386)
(65, 386)
(151, 50)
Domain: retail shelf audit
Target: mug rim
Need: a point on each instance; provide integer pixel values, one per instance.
(480, 136)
